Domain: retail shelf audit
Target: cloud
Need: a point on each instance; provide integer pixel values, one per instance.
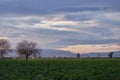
(62, 31)
(60, 24)
(46, 7)
(82, 9)
(91, 49)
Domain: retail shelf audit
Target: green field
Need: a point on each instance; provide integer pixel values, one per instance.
(60, 69)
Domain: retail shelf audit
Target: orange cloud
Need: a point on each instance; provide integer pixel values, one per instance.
(91, 48)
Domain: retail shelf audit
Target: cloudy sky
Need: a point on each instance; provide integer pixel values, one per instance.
(73, 25)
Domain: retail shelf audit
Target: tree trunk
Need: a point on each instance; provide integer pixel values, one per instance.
(26, 58)
(1, 56)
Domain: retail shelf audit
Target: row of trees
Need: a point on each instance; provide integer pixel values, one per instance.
(110, 55)
(25, 48)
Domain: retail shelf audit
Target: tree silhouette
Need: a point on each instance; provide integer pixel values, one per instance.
(78, 55)
(110, 54)
(27, 48)
(4, 47)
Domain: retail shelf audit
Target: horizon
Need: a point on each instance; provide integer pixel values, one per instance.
(79, 26)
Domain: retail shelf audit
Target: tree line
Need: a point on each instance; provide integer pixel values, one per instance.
(110, 55)
(25, 48)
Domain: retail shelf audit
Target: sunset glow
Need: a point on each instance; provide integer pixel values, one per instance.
(91, 48)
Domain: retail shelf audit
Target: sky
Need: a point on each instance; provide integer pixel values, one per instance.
(73, 25)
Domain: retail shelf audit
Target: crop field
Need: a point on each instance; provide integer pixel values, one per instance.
(60, 69)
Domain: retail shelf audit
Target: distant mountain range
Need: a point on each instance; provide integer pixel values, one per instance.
(56, 53)
(60, 53)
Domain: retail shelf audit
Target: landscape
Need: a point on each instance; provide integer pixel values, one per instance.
(59, 40)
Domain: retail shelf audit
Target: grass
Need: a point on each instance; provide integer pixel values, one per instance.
(60, 69)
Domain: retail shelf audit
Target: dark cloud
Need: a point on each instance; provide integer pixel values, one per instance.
(79, 17)
(89, 41)
(81, 9)
(102, 31)
(38, 7)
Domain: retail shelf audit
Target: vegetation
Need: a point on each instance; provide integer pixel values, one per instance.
(54, 69)
(4, 47)
(110, 55)
(27, 48)
(60, 69)
(78, 55)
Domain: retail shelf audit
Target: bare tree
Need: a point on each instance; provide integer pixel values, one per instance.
(38, 53)
(110, 54)
(4, 47)
(27, 48)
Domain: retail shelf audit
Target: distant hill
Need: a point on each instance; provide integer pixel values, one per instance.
(56, 53)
